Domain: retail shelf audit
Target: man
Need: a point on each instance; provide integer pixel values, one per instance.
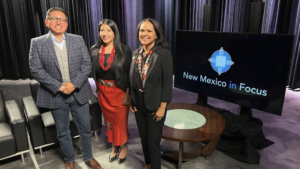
(60, 62)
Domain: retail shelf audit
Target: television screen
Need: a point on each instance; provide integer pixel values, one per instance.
(246, 69)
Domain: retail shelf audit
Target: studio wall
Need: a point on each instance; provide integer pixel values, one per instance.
(22, 20)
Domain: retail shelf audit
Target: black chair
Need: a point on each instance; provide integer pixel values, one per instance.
(13, 135)
(41, 125)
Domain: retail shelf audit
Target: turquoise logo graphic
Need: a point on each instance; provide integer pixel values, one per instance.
(220, 61)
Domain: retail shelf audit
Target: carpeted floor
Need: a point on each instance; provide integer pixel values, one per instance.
(283, 130)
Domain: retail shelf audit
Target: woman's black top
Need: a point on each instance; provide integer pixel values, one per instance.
(112, 73)
(105, 75)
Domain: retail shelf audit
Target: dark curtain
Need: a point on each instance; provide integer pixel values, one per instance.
(278, 16)
(189, 14)
(292, 26)
(24, 19)
(283, 17)
(127, 15)
(19, 23)
(235, 15)
(228, 16)
(117, 15)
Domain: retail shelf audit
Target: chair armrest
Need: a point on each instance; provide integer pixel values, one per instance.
(17, 124)
(95, 113)
(31, 109)
(34, 121)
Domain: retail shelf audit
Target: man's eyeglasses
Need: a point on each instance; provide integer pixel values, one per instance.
(55, 19)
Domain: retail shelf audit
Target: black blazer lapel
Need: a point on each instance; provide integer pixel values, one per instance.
(131, 71)
(94, 54)
(50, 47)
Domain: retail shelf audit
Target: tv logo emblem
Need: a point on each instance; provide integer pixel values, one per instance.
(220, 61)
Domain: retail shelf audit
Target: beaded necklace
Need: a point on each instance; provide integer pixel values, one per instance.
(109, 60)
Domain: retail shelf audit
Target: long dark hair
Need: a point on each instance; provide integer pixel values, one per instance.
(160, 41)
(119, 59)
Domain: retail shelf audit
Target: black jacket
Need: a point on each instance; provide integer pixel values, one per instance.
(121, 78)
(159, 78)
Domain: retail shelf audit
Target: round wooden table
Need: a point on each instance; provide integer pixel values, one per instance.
(211, 130)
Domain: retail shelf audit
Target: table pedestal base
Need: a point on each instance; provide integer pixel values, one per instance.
(190, 151)
(186, 151)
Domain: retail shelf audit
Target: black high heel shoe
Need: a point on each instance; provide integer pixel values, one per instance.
(121, 160)
(111, 159)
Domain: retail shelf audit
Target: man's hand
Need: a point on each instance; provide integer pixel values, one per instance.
(67, 88)
(63, 89)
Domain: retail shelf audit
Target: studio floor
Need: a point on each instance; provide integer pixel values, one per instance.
(283, 130)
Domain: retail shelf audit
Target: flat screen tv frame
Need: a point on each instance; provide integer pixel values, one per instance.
(211, 64)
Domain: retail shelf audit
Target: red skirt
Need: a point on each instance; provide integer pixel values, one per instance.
(114, 112)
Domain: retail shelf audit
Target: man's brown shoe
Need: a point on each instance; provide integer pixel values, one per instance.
(70, 165)
(93, 164)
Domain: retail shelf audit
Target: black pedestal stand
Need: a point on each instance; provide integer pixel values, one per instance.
(245, 111)
(202, 100)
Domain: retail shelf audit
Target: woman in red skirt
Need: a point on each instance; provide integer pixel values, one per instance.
(111, 62)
